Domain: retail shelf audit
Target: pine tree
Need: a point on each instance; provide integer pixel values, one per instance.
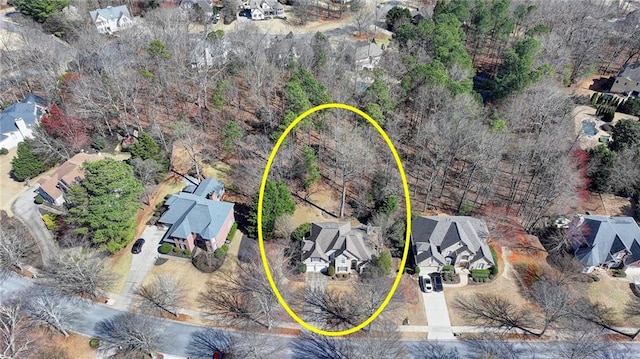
(26, 164)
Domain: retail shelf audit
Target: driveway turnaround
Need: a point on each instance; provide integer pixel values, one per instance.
(435, 307)
(141, 264)
(27, 212)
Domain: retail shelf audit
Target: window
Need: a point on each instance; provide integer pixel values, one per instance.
(315, 259)
(480, 266)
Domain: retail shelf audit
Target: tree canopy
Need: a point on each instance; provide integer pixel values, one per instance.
(104, 205)
(276, 202)
(26, 164)
(626, 133)
(40, 10)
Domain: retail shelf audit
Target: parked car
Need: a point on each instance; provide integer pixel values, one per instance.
(425, 284)
(137, 246)
(437, 282)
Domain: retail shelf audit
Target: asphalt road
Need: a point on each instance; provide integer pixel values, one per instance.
(90, 314)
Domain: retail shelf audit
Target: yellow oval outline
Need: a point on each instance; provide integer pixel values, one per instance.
(407, 242)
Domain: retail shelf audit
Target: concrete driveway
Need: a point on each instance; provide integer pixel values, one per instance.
(435, 307)
(141, 264)
(27, 212)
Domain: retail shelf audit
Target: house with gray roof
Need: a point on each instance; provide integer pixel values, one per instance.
(198, 218)
(628, 80)
(368, 56)
(19, 119)
(456, 240)
(338, 244)
(606, 241)
(112, 19)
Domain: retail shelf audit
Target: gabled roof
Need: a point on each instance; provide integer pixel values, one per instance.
(631, 71)
(29, 110)
(336, 237)
(370, 50)
(111, 12)
(605, 236)
(431, 232)
(208, 186)
(69, 172)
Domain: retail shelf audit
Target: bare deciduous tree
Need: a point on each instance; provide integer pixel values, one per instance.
(76, 271)
(245, 293)
(15, 341)
(48, 307)
(164, 294)
(130, 334)
(15, 248)
(434, 350)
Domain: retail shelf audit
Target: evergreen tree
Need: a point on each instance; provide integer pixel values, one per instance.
(626, 133)
(104, 205)
(276, 202)
(145, 148)
(26, 164)
(40, 10)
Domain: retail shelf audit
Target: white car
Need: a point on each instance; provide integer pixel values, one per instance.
(425, 284)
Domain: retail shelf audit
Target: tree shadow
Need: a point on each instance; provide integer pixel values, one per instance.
(309, 345)
(248, 251)
(602, 84)
(204, 343)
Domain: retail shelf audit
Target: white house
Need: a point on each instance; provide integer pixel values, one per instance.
(264, 9)
(112, 19)
(455, 240)
(337, 244)
(18, 120)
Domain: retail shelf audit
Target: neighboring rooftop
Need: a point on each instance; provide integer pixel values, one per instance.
(29, 110)
(110, 12)
(601, 237)
(69, 172)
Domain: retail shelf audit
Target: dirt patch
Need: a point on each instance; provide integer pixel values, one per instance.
(606, 205)
(319, 206)
(76, 346)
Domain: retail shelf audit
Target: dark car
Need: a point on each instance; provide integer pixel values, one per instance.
(137, 247)
(437, 282)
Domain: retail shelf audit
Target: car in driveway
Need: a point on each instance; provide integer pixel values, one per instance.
(425, 284)
(437, 281)
(137, 246)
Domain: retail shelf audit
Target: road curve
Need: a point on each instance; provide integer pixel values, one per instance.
(27, 212)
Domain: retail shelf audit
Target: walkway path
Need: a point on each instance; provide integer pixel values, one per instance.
(27, 212)
(435, 307)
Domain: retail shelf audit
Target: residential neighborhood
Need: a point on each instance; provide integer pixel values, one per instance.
(319, 179)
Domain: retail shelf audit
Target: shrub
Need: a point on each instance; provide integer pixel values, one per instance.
(99, 143)
(447, 268)
(94, 343)
(480, 273)
(494, 268)
(219, 253)
(595, 278)
(187, 253)
(38, 199)
(50, 221)
(232, 231)
(618, 273)
(331, 271)
(176, 249)
(3, 151)
(491, 276)
(300, 232)
(302, 268)
(165, 248)
(416, 270)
